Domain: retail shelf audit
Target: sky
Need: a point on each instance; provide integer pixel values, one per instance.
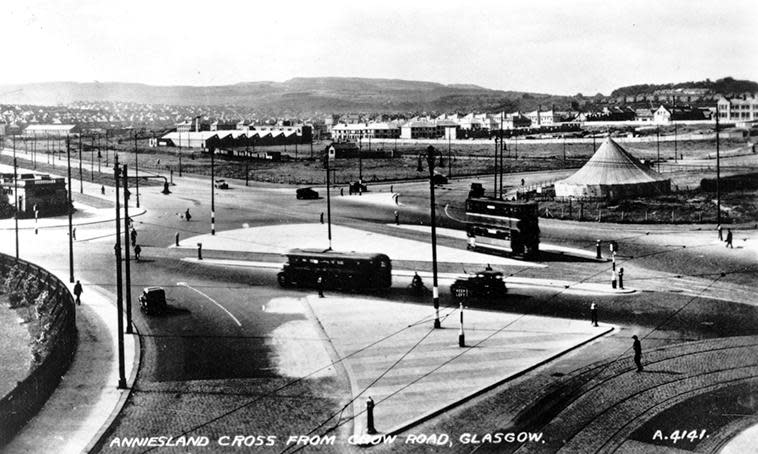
(558, 47)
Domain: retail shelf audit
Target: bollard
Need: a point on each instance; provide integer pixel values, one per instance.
(370, 416)
(461, 336)
(176, 239)
(597, 248)
(199, 251)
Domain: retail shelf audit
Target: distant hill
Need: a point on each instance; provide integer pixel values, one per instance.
(307, 96)
(725, 86)
(298, 96)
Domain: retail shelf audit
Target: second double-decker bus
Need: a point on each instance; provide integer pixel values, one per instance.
(341, 270)
(502, 225)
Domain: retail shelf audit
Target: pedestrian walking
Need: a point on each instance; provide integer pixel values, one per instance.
(719, 229)
(614, 278)
(342, 192)
(102, 189)
(637, 346)
(320, 285)
(397, 218)
(728, 238)
(321, 218)
(187, 215)
(176, 239)
(137, 251)
(593, 314)
(78, 292)
(133, 235)
(391, 186)
(73, 233)
(621, 278)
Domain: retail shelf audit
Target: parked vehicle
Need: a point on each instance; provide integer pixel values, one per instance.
(439, 179)
(306, 193)
(153, 300)
(222, 184)
(356, 187)
(486, 283)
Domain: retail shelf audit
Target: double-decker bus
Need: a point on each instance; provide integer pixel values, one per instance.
(341, 270)
(502, 225)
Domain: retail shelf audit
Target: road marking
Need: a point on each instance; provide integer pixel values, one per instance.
(184, 284)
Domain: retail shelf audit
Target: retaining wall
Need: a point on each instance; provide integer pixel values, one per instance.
(30, 394)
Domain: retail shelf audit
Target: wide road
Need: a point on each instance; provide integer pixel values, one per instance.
(210, 366)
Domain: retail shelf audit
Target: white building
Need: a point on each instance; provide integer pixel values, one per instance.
(742, 109)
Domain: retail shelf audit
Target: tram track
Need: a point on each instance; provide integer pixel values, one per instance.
(572, 398)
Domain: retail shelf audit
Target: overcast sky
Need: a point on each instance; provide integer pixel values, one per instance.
(559, 47)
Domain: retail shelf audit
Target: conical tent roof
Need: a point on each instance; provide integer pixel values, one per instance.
(612, 165)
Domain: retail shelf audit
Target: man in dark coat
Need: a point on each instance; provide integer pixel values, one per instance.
(637, 346)
(593, 314)
(729, 238)
(78, 292)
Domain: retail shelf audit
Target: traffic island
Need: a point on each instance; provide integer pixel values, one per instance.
(413, 372)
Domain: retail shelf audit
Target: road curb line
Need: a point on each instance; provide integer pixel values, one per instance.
(337, 360)
(125, 394)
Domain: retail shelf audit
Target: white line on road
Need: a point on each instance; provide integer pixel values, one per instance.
(184, 284)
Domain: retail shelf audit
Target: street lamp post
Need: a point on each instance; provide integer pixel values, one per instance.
(136, 169)
(430, 156)
(718, 171)
(213, 195)
(119, 292)
(127, 269)
(15, 195)
(70, 214)
(328, 200)
(81, 178)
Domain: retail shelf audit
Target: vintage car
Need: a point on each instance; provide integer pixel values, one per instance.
(439, 179)
(306, 193)
(356, 187)
(486, 283)
(153, 300)
(222, 184)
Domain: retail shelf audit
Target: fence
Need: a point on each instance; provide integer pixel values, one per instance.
(59, 339)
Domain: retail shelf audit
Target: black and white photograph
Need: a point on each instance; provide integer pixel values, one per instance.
(373, 228)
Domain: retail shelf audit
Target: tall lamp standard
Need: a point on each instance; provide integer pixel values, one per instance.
(430, 155)
(136, 168)
(328, 199)
(15, 193)
(718, 171)
(213, 195)
(70, 214)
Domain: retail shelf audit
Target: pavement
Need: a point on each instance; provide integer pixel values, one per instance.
(87, 398)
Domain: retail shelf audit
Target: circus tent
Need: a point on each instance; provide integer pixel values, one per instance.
(612, 173)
